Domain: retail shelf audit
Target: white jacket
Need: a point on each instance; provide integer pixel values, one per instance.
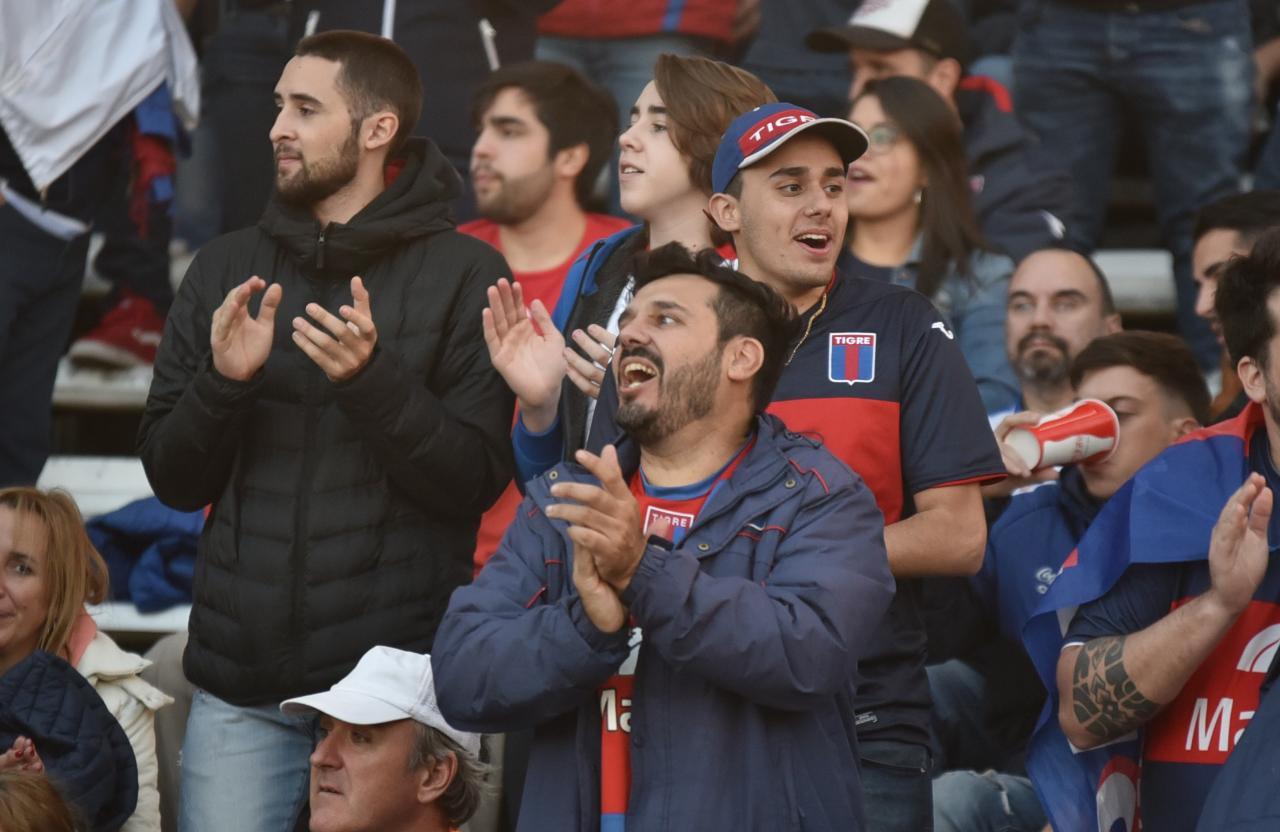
(71, 69)
(113, 672)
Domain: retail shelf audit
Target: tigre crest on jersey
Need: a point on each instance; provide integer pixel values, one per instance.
(851, 357)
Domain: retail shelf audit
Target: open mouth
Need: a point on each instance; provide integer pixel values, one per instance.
(628, 169)
(327, 790)
(859, 175)
(818, 242)
(636, 372)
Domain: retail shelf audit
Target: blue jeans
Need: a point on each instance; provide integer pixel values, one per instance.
(966, 801)
(245, 769)
(623, 66)
(1185, 75)
(896, 786)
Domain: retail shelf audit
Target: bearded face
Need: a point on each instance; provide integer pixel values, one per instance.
(684, 395)
(303, 180)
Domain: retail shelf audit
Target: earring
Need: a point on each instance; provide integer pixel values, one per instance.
(919, 196)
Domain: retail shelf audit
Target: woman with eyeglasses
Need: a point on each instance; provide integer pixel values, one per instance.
(911, 222)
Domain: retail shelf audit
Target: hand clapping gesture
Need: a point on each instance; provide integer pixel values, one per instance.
(22, 755)
(241, 342)
(1238, 552)
(527, 351)
(339, 346)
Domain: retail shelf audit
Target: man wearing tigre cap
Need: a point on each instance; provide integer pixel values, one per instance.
(1020, 206)
(385, 759)
(880, 379)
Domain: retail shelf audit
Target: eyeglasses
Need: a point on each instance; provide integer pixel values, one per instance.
(882, 137)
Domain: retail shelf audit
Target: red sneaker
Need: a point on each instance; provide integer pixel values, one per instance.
(127, 336)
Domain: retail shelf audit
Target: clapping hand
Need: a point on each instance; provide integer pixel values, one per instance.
(527, 351)
(22, 755)
(603, 519)
(241, 342)
(339, 346)
(587, 374)
(1238, 550)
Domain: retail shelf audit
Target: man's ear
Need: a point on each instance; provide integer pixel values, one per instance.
(1252, 379)
(434, 779)
(570, 161)
(1111, 324)
(379, 129)
(1183, 426)
(945, 77)
(725, 212)
(745, 358)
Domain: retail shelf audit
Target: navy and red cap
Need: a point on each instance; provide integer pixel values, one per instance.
(755, 134)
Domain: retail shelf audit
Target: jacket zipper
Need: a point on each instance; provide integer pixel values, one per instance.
(320, 250)
(298, 565)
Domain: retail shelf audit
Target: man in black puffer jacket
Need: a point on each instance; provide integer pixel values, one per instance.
(323, 382)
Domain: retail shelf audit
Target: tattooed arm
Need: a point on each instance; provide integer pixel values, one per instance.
(1111, 685)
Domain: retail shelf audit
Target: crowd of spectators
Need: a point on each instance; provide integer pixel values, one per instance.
(607, 416)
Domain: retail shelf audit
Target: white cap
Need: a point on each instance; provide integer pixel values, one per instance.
(386, 685)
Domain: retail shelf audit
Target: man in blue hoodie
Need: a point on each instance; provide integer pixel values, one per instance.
(679, 619)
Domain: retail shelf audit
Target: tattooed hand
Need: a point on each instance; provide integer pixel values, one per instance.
(1105, 701)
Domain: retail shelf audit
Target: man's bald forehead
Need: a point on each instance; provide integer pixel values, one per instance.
(1059, 268)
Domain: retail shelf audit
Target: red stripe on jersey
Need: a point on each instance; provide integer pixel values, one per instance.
(862, 433)
(981, 480)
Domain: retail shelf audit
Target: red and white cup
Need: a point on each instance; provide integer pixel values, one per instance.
(1087, 431)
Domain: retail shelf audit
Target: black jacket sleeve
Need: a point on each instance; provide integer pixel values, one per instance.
(191, 426)
(445, 440)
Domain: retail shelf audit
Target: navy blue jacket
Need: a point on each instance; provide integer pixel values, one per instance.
(1027, 546)
(84, 750)
(742, 716)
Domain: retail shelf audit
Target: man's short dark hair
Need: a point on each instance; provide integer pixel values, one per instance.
(462, 796)
(376, 75)
(1245, 285)
(1247, 214)
(574, 111)
(1164, 358)
(743, 307)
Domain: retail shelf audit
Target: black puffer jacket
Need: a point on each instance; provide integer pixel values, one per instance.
(345, 514)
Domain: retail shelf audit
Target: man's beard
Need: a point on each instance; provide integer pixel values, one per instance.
(1043, 367)
(1273, 396)
(685, 396)
(515, 200)
(307, 187)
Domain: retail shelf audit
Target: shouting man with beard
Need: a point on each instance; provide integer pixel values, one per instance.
(323, 384)
(680, 618)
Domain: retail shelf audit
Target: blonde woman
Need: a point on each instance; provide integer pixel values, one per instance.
(49, 570)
